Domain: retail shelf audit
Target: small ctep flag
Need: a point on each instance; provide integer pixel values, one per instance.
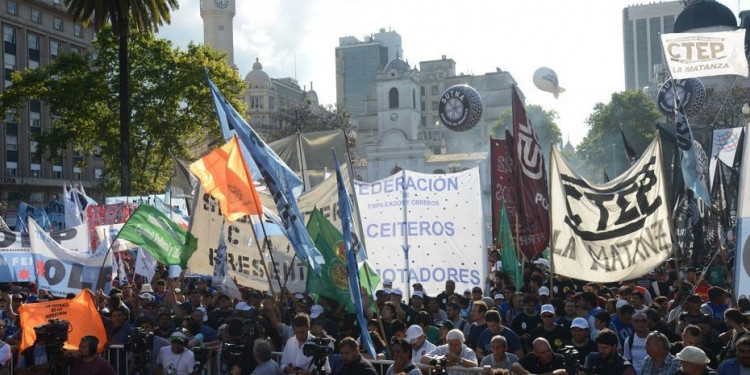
(691, 55)
(224, 176)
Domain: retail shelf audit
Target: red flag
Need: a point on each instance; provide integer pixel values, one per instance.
(532, 202)
(503, 181)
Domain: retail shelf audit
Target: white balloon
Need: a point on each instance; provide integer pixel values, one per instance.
(545, 79)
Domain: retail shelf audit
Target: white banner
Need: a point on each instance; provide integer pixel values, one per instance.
(63, 271)
(611, 232)
(724, 147)
(691, 55)
(742, 251)
(435, 220)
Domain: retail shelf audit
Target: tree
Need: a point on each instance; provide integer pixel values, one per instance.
(172, 108)
(144, 16)
(306, 117)
(543, 122)
(722, 108)
(631, 111)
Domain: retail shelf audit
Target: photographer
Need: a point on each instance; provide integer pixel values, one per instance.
(175, 359)
(33, 360)
(455, 351)
(293, 359)
(85, 361)
(541, 361)
(136, 352)
(262, 354)
(354, 364)
(606, 361)
(238, 348)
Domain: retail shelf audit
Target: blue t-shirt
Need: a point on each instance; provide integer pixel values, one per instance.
(474, 333)
(623, 330)
(485, 340)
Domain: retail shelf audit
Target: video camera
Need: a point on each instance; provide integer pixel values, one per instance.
(56, 331)
(317, 347)
(236, 351)
(139, 340)
(570, 358)
(201, 358)
(439, 363)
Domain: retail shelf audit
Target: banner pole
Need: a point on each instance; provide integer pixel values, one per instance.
(260, 252)
(549, 217)
(270, 253)
(405, 200)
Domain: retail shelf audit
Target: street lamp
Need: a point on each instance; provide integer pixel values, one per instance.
(746, 112)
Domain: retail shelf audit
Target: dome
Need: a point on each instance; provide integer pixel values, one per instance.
(257, 78)
(704, 13)
(398, 65)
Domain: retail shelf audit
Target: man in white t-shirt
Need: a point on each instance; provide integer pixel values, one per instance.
(419, 344)
(175, 359)
(635, 351)
(293, 359)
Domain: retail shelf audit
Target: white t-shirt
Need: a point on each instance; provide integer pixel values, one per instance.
(637, 354)
(422, 350)
(176, 364)
(4, 353)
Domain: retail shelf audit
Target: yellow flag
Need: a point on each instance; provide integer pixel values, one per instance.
(224, 175)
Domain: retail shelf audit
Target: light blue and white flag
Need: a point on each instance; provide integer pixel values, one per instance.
(282, 182)
(25, 211)
(74, 216)
(352, 250)
(689, 160)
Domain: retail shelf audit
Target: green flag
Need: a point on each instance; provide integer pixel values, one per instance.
(332, 281)
(161, 237)
(508, 251)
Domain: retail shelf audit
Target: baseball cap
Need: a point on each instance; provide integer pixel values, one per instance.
(388, 283)
(579, 323)
(467, 290)
(547, 309)
(620, 303)
(315, 311)
(179, 336)
(445, 324)
(693, 355)
(397, 291)
(299, 296)
(499, 296)
(544, 291)
(418, 294)
(147, 296)
(413, 333)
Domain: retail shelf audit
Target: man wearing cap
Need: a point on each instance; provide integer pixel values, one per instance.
(401, 308)
(476, 293)
(455, 351)
(495, 327)
(694, 362)
(606, 360)
(417, 305)
(544, 297)
(444, 327)
(580, 339)
(450, 290)
(740, 364)
(419, 344)
(555, 334)
(175, 359)
(542, 360)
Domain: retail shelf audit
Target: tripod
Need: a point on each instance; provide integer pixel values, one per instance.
(141, 363)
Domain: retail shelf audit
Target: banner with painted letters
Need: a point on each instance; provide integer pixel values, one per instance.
(432, 222)
(611, 232)
(704, 54)
(62, 271)
(16, 262)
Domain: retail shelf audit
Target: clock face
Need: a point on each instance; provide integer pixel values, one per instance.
(394, 116)
(454, 109)
(221, 3)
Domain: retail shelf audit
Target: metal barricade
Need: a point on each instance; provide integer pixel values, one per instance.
(117, 357)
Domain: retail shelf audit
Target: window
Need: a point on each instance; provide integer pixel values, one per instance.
(421, 106)
(434, 105)
(76, 50)
(77, 173)
(256, 102)
(33, 157)
(35, 116)
(57, 171)
(12, 8)
(414, 99)
(57, 2)
(11, 168)
(421, 90)
(57, 23)
(98, 174)
(78, 30)
(36, 16)
(434, 89)
(393, 98)
(54, 49)
(423, 121)
(11, 142)
(36, 170)
(221, 27)
(9, 55)
(34, 55)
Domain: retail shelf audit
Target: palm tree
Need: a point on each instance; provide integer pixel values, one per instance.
(144, 16)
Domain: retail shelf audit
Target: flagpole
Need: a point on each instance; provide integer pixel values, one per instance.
(549, 216)
(260, 252)
(270, 253)
(405, 200)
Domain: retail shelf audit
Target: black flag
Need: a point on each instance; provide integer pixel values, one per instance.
(632, 155)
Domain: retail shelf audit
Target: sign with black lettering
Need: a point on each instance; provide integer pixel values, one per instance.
(611, 232)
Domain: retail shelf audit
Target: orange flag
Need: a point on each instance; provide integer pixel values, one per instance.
(80, 312)
(224, 175)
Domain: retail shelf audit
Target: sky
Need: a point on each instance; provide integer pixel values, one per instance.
(581, 40)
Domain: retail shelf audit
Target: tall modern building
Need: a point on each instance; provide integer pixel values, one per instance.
(642, 26)
(35, 32)
(358, 64)
(218, 30)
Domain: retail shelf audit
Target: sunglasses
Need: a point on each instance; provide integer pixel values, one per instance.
(640, 320)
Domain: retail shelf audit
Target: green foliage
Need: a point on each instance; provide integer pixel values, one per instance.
(603, 146)
(306, 117)
(722, 108)
(171, 109)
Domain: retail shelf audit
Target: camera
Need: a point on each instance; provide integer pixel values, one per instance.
(440, 363)
(317, 347)
(139, 340)
(232, 354)
(570, 358)
(201, 358)
(53, 336)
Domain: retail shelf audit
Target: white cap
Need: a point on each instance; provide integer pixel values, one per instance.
(579, 323)
(315, 311)
(179, 335)
(397, 291)
(147, 296)
(388, 282)
(414, 333)
(499, 296)
(299, 296)
(205, 313)
(244, 306)
(544, 291)
(620, 303)
(547, 309)
(543, 262)
(418, 294)
(467, 290)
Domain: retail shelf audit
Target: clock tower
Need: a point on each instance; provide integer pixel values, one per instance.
(217, 26)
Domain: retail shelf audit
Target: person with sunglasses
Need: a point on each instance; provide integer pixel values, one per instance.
(634, 348)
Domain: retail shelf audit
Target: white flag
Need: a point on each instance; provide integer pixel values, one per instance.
(691, 55)
(145, 264)
(123, 276)
(73, 215)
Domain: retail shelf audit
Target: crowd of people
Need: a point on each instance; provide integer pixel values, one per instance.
(671, 321)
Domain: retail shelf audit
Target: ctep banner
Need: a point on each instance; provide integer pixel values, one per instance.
(433, 221)
(704, 54)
